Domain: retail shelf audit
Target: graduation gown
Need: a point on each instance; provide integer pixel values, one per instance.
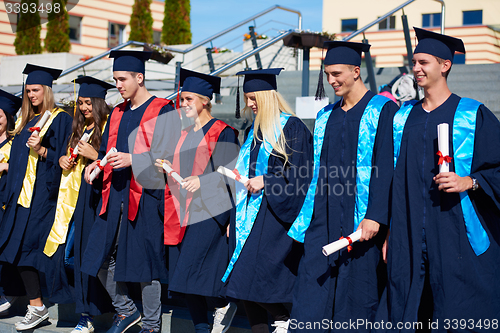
(464, 285)
(140, 252)
(344, 285)
(204, 251)
(68, 284)
(267, 266)
(23, 230)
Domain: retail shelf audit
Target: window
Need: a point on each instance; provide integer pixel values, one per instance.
(471, 17)
(459, 59)
(387, 24)
(116, 34)
(349, 25)
(431, 20)
(75, 27)
(156, 37)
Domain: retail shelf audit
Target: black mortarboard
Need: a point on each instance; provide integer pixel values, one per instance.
(92, 87)
(199, 83)
(130, 61)
(260, 79)
(41, 75)
(344, 53)
(9, 103)
(438, 45)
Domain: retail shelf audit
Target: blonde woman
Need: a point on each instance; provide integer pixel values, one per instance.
(276, 156)
(32, 186)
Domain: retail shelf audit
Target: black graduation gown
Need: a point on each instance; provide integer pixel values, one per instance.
(267, 267)
(23, 230)
(344, 285)
(464, 286)
(140, 253)
(204, 252)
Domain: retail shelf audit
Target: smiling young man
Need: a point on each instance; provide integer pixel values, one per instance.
(350, 190)
(126, 240)
(443, 249)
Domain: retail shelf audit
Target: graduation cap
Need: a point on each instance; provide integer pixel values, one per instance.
(340, 53)
(260, 79)
(130, 61)
(344, 53)
(41, 75)
(203, 84)
(441, 46)
(9, 103)
(92, 87)
(257, 80)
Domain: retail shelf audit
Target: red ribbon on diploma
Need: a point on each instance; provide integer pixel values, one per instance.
(99, 165)
(349, 247)
(238, 176)
(73, 156)
(32, 129)
(442, 158)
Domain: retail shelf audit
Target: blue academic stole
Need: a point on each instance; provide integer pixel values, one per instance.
(366, 139)
(464, 128)
(247, 212)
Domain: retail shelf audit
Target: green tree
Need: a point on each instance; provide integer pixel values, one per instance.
(176, 22)
(141, 22)
(28, 30)
(57, 39)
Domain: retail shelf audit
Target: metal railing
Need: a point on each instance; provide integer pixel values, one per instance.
(244, 56)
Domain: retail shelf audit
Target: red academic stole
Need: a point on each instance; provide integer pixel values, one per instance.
(173, 230)
(142, 144)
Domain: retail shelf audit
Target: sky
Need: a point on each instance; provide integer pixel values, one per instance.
(211, 17)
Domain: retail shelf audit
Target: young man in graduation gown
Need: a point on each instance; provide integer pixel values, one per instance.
(443, 249)
(349, 191)
(126, 240)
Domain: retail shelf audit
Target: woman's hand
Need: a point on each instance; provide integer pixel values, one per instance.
(191, 183)
(34, 142)
(65, 163)
(159, 164)
(88, 171)
(4, 167)
(255, 184)
(86, 150)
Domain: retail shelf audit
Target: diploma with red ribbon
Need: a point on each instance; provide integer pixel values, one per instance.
(172, 173)
(341, 243)
(101, 164)
(444, 147)
(74, 152)
(233, 174)
(40, 124)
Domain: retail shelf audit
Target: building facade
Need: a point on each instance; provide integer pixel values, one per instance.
(477, 23)
(95, 25)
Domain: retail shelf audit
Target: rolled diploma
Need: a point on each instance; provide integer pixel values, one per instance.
(85, 138)
(175, 175)
(42, 122)
(103, 162)
(341, 243)
(2, 157)
(229, 173)
(444, 145)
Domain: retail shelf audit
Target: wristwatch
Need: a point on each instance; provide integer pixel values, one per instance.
(475, 185)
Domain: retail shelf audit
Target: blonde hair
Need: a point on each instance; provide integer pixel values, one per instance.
(208, 106)
(270, 104)
(27, 110)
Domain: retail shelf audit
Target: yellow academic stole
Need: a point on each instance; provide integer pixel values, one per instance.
(66, 204)
(30, 176)
(5, 153)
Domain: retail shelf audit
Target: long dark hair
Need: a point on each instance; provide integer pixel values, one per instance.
(100, 111)
(11, 124)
